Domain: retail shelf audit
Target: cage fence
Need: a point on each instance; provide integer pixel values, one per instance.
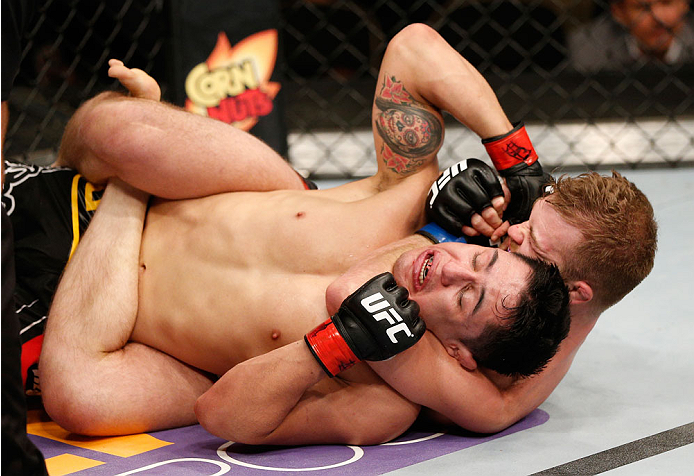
(633, 115)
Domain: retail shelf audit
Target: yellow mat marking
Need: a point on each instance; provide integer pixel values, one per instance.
(123, 446)
(67, 464)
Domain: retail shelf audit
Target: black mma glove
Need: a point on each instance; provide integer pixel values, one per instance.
(515, 158)
(375, 322)
(462, 190)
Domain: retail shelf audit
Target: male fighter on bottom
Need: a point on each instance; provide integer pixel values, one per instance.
(238, 278)
(233, 282)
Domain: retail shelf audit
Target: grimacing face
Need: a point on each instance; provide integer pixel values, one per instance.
(460, 288)
(545, 235)
(653, 23)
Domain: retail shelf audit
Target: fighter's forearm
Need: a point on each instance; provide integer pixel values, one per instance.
(253, 399)
(93, 312)
(284, 397)
(102, 275)
(427, 375)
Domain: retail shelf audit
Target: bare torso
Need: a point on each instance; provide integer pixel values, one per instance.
(232, 276)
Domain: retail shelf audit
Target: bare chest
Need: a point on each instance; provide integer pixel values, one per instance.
(226, 278)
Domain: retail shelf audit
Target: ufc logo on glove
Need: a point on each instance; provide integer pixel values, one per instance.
(447, 174)
(376, 302)
(355, 332)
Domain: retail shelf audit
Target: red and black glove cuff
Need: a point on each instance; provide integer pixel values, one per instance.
(330, 349)
(511, 148)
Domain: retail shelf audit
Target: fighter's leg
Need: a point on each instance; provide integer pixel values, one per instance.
(93, 381)
(168, 151)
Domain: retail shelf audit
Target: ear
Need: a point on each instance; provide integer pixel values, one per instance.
(580, 292)
(463, 355)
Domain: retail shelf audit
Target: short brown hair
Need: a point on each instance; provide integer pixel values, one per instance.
(619, 231)
(530, 333)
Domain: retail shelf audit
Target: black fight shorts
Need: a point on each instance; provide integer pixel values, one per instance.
(50, 209)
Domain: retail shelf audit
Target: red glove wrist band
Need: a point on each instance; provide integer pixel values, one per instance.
(330, 348)
(511, 148)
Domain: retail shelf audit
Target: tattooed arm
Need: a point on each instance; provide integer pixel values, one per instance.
(420, 76)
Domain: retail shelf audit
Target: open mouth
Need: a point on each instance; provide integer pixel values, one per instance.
(426, 266)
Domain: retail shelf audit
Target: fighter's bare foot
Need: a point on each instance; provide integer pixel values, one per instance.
(139, 83)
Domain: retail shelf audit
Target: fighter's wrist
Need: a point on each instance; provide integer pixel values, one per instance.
(330, 349)
(510, 149)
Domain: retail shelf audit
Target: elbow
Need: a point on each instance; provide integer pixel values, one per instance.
(208, 415)
(414, 37)
(492, 426)
(413, 44)
(494, 422)
(220, 422)
(64, 397)
(363, 430)
(496, 415)
(374, 437)
(67, 415)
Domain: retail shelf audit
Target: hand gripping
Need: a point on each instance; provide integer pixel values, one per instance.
(462, 190)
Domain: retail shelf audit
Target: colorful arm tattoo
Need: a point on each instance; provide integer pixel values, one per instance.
(410, 132)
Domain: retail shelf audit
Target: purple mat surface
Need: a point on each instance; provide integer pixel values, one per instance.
(195, 452)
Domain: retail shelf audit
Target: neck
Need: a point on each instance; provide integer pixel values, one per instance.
(583, 319)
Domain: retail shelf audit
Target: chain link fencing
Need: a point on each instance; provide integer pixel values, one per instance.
(639, 115)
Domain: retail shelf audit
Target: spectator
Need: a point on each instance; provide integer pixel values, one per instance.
(635, 33)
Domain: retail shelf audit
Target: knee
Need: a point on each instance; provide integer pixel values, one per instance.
(415, 49)
(96, 135)
(103, 114)
(114, 126)
(98, 109)
(85, 128)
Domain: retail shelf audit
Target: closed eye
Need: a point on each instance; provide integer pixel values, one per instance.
(533, 245)
(461, 294)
